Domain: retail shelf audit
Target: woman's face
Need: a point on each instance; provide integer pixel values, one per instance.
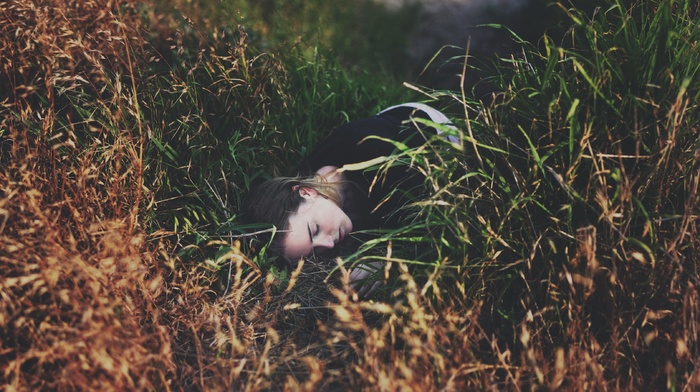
(318, 224)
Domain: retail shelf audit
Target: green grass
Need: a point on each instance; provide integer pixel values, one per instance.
(222, 124)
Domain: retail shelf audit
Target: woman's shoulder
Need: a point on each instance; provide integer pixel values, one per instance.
(354, 142)
(372, 137)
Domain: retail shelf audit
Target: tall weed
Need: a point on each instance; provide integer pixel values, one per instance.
(581, 202)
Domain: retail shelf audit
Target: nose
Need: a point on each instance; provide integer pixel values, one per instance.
(326, 242)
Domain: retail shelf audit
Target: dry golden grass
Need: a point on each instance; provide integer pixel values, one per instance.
(79, 276)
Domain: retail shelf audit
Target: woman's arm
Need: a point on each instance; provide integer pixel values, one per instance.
(365, 278)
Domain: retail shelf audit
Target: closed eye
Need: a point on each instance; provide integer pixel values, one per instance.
(313, 232)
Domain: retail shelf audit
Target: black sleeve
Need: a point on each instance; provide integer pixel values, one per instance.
(349, 144)
(353, 142)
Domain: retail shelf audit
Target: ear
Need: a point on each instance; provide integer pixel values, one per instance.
(308, 193)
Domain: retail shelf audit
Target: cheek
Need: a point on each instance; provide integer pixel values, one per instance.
(295, 246)
(332, 215)
(340, 215)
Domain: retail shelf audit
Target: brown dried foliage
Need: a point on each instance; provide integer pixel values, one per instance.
(79, 278)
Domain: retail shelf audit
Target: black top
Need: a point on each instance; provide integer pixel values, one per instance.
(354, 143)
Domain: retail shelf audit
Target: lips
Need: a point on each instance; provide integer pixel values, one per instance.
(341, 234)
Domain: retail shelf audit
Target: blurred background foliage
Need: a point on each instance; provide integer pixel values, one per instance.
(362, 34)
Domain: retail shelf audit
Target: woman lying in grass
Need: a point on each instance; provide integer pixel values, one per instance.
(346, 188)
